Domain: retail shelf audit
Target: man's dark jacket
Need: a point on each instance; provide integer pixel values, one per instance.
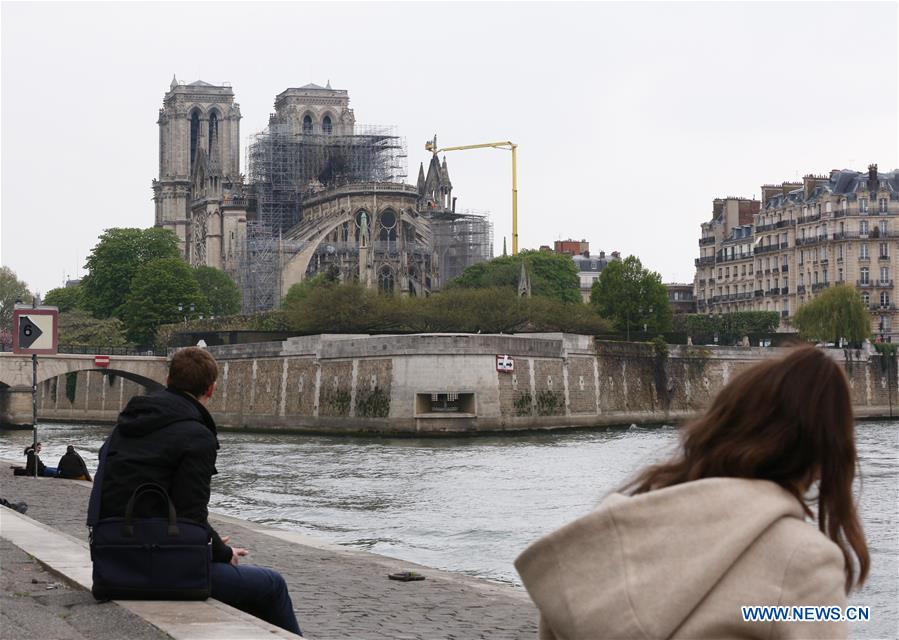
(71, 465)
(169, 438)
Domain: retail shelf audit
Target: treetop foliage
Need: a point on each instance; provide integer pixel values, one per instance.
(65, 298)
(551, 274)
(157, 290)
(326, 307)
(218, 288)
(632, 296)
(114, 262)
(730, 327)
(11, 289)
(837, 312)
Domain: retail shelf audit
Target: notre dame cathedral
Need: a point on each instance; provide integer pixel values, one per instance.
(321, 194)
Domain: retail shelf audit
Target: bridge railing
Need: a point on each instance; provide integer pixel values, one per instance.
(100, 351)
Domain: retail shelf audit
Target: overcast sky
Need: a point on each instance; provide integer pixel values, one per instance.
(631, 117)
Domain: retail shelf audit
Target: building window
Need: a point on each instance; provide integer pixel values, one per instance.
(863, 227)
(865, 276)
(863, 205)
(840, 251)
(884, 298)
(839, 275)
(326, 125)
(844, 205)
(883, 205)
(863, 251)
(884, 274)
(307, 124)
(194, 136)
(866, 298)
(816, 278)
(884, 250)
(828, 207)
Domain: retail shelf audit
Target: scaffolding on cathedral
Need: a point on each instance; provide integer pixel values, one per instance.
(460, 240)
(284, 166)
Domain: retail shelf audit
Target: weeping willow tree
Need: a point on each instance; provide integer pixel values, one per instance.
(838, 312)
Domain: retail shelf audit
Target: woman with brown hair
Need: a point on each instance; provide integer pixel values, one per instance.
(722, 525)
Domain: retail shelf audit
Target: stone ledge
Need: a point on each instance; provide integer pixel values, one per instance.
(70, 559)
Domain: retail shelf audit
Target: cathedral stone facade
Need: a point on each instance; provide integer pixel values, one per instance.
(323, 194)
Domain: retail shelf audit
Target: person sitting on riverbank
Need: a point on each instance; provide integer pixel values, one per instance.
(169, 438)
(32, 457)
(722, 525)
(72, 467)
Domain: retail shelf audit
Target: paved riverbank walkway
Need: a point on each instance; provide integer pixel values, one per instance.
(337, 592)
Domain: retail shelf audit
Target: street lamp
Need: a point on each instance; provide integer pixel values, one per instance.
(182, 308)
(431, 146)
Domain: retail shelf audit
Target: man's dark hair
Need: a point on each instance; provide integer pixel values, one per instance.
(192, 370)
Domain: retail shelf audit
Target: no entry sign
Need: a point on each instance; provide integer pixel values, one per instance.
(35, 331)
(101, 361)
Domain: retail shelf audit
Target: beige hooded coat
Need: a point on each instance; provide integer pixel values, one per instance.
(680, 562)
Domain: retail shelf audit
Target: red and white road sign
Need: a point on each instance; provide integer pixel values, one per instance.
(505, 364)
(101, 361)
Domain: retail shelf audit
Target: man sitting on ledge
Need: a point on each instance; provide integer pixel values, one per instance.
(169, 438)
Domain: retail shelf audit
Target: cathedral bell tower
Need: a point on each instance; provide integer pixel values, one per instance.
(198, 123)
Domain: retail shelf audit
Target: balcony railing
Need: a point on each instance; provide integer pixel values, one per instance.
(819, 286)
(804, 242)
(774, 291)
(883, 307)
(812, 218)
(784, 313)
(737, 256)
(767, 249)
(883, 256)
(800, 289)
(759, 293)
(865, 284)
(708, 260)
(884, 284)
(706, 241)
(784, 291)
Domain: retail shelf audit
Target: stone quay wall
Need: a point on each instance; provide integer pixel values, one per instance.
(449, 383)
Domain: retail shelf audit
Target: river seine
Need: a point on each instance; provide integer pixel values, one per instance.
(472, 504)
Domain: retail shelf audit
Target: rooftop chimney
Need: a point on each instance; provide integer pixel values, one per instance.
(872, 177)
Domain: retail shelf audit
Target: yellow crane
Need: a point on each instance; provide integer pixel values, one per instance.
(431, 145)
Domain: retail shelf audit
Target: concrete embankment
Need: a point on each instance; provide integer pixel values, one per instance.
(433, 384)
(337, 592)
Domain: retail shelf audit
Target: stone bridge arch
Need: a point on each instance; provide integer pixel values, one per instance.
(16, 377)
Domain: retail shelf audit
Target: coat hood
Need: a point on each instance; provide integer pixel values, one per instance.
(145, 414)
(639, 565)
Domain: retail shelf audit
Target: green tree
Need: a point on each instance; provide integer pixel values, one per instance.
(551, 274)
(300, 290)
(114, 262)
(631, 296)
(221, 293)
(838, 312)
(730, 327)
(11, 289)
(78, 327)
(66, 298)
(155, 293)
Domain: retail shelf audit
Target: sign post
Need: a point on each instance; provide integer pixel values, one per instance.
(35, 330)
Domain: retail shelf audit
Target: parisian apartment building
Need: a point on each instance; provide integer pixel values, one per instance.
(778, 253)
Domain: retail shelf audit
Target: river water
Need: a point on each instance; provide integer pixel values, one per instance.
(472, 504)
